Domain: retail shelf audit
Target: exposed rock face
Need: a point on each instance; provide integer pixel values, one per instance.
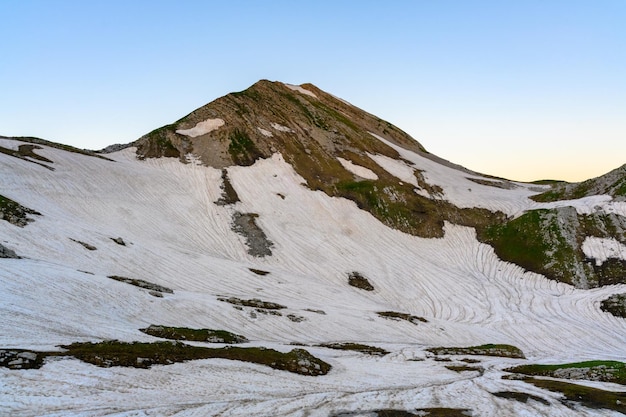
(20, 359)
(313, 131)
(615, 304)
(549, 242)
(612, 183)
(15, 213)
(7, 253)
(241, 127)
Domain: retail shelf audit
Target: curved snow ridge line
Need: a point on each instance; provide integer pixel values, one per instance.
(243, 390)
(496, 300)
(358, 170)
(318, 241)
(202, 128)
(601, 249)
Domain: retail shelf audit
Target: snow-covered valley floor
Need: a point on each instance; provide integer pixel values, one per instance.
(176, 236)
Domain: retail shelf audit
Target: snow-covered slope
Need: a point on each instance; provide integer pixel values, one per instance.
(284, 194)
(176, 236)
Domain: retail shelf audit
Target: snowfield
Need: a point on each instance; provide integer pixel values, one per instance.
(202, 128)
(176, 236)
(602, 249)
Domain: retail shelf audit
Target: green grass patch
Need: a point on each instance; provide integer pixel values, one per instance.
(144, 355)
(619, 188)
(196, 335)
(536, 242)
(357, 347)
(242, 149)
(159, 144)
(589, 397)
(505, 351)
(605, 371)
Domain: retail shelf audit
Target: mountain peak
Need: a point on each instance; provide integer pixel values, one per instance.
(271, 117)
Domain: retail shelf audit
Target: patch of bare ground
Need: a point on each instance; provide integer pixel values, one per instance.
(357, 347)
(505, 351)
(394, 315)
(357, 280)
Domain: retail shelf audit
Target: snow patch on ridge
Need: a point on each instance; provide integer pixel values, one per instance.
(202, 128)
(588, 205)
(398, 169)
(358, 170)
(461, 191)
(300, 90)
(281, 128)
(601, 249)
(265, 133)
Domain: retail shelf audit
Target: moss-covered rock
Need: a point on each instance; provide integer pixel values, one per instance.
(505, 351)
(549, 242)
(145, 355)
(195, 335)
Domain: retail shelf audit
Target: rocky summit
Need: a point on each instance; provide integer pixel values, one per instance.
(356, 273)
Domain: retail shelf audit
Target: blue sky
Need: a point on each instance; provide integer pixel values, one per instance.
(519, 89)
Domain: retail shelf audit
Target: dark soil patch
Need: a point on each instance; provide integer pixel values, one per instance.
(394, 315)
(256, 239)
(25, 153)
(358, 347)
(14, 213)
(258, 271)
(357, 280)
(322, 312)
(142, 284)
(465, 368)
(55, 145)
(522, 397)
(295, 318)
(21, 359)
(84, 244)
(470, 360)
(229, 195)
(254, 302)
(195, 335)
(615, 304)
(119, 241)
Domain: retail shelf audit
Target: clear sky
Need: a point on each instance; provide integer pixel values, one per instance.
(526, 90)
